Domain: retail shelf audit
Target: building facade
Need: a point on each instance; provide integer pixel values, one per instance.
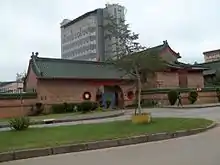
(84, 37)
(11, 87)
(213, 55)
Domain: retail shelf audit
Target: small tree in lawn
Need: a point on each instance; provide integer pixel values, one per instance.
(135, 59)
(140, 64)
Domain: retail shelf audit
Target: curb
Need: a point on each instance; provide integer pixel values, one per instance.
(24, 154)
(71, 120)
(194, 107)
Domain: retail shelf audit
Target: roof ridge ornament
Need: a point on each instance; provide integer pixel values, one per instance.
(34, 55)
(165, 42)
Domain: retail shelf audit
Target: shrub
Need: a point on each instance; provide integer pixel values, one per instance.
(37, 109)
(64, 107)
(172, 96)
(218, 94)
(192, 97)
(144, 104)
(108, 103)
(58, 108)
(87, 106)
(69, 107)
(148, 103)
(20, 123)
(99, 109)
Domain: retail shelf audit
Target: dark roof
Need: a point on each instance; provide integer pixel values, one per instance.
(211, 51)
(70, 69)
(160, 48)
(212, 66)
(180, 65)
(80, 18)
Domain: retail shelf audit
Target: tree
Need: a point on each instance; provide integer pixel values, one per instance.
(140, 64)
(120, 37)
(20, 78)
(135, 59)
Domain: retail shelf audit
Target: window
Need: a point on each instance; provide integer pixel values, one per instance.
(115, 12)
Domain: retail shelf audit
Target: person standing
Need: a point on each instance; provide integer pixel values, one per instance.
(179, 100)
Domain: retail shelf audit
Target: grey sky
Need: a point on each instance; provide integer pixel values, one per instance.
(190, 26)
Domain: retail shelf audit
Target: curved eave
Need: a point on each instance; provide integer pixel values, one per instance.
(175, 53)
(209, 72)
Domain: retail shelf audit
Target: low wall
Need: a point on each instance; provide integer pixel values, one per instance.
(204, 97)
(14, 107)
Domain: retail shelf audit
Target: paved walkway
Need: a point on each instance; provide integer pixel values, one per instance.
(195, 106)
(201, 149)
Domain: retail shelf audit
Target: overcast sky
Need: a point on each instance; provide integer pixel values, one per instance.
(189, 26)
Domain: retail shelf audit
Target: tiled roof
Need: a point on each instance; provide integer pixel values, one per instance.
(161, 47)
(62, 68)
(213, 67)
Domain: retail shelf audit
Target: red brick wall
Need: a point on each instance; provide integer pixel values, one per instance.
(31, 81)
(195, 79)
(14, 108)
(59, 91)
(168, 79)
(179, 79)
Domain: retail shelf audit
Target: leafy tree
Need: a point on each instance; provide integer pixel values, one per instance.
(20, 77)
(120, 37)
(130, 56)
(138, 64)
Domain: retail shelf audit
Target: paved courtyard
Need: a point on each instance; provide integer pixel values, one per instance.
(201, 149)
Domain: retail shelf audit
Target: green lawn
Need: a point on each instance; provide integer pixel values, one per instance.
(43, 137)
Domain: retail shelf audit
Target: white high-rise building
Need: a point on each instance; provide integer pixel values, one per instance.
(84, 37)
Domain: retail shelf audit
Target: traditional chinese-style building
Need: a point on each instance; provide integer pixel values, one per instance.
(177, 74)
(61, 80)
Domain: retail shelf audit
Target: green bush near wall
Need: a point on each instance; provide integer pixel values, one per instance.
(29, 95)
(182, 90)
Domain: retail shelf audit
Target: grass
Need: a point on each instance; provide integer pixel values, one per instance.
(54, 136)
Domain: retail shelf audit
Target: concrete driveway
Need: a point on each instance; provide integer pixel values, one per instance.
(201, 149)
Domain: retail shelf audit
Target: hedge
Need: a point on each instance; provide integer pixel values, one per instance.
(28, 95)
(166, 90)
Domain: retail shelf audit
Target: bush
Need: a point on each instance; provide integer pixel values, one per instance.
(172, 96)
(148, 103)
(218, 94)
(20, 123)
(58, 108)
(73, 107)
(144, 104)
(192, 97)
(36, 109)
(108, 103)
(87, 106)
(64, 108)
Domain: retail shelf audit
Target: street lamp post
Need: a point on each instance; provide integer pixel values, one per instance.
(159, 83)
